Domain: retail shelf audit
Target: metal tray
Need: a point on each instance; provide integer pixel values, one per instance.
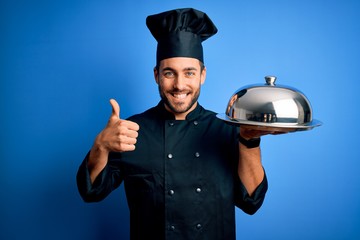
(276, 126)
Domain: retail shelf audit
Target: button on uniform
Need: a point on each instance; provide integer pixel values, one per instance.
(197, 154)
(198, 190)
(198, 226)
(171, 192)
(170, 156)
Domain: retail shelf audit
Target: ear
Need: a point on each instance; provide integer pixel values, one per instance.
(156, 75)
(203, 75)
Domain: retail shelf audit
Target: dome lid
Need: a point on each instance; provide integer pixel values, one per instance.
(270, 106)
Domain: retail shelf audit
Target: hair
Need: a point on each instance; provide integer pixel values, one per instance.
(202, 66)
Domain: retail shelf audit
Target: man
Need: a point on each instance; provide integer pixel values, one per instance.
(184, 170)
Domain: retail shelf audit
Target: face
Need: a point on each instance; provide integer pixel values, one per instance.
(179, 80)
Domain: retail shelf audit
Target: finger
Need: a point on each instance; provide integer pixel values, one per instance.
(124, 131)
(128, 140)
(132, 134)
(127, 147)
(132, 125)
(124, 144)
(115, 108)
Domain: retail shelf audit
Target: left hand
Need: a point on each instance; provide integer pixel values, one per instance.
(249, 131)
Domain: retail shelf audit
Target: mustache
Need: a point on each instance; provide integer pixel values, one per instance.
(177, 90)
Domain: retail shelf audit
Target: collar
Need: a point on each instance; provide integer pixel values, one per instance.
(166, 115)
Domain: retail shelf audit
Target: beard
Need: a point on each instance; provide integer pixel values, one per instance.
(181, 107)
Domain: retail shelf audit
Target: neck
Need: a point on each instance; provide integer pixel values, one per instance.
(182, 115)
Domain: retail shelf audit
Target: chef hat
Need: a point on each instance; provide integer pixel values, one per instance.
(180, 32)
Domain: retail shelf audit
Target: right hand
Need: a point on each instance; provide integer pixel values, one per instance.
(119, 135)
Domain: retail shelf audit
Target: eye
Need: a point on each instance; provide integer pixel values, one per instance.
(190, 74)
(169, 74)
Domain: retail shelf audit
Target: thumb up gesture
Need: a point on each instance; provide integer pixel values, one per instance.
(119, 135)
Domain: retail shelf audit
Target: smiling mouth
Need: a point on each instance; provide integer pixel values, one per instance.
(179, 95)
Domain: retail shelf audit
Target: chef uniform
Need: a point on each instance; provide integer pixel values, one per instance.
(181, 181)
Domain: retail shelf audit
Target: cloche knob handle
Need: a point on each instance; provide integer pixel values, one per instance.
(270, 80)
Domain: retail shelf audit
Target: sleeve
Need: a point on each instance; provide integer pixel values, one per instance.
(107, 181)
(250, 204)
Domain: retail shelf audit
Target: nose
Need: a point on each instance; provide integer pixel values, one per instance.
(179, 83)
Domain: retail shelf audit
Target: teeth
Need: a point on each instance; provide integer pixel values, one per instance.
(180, 96)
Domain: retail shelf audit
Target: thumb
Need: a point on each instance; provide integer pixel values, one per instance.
(115, 108)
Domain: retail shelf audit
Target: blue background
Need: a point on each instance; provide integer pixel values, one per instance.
(61, 61)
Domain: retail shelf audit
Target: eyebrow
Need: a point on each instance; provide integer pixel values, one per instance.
(185, 69)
